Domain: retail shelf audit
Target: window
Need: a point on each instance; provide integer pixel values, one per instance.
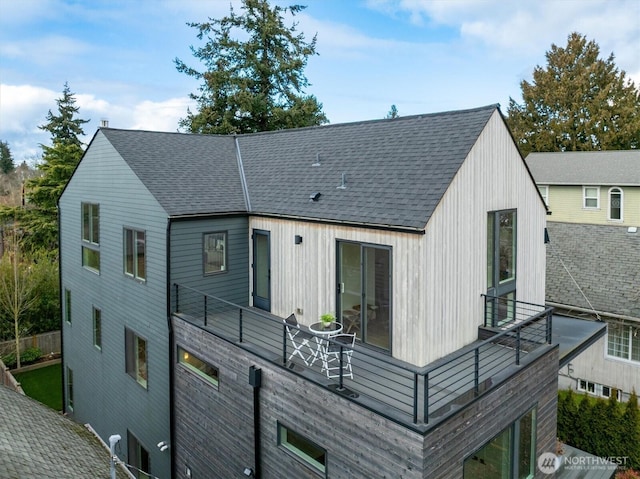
(615, 204)
(67, 305)
(91, 236)
(544, 192)
(198, 366)
(138, 457)
(591, 197)
(136, 357)
(623, 341)
(134, 254)
(501, 265)
(97, 328)
(69, 388)
(302, 448)
(215, 247)
(511, 454)
(598, 389)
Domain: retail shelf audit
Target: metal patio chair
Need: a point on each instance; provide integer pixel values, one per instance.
(335, 347)
(299, 339)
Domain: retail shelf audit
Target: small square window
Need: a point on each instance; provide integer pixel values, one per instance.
(215, 252)
(302, 448)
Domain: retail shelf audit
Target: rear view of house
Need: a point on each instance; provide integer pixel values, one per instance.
(182, 255)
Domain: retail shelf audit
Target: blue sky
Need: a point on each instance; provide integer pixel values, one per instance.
(423, 56)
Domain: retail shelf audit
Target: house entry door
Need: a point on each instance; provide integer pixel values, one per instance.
(261, 270)
(364, 292)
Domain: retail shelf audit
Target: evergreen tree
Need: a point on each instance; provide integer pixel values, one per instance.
(631, 431)
(6, 160)
(40, 217)
(393, 112)
(255, 81)
(579, 102)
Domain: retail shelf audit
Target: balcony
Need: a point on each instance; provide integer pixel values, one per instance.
(416, 397)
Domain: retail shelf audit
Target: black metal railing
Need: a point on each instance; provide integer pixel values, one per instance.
(502, 312)
(409, 394)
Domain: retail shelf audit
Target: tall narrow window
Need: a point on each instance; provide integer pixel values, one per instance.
(69, 388)
(97, 328)
(91, 236)
(591, 197)
(67, 305)
(138, 457)
(134, 254)
(501, 265)
(615, 204)
(136, 357)
(215, 247)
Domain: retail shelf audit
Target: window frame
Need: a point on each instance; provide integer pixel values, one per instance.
(298, 453)
(502, 310)
(223, 254)
(514, 431)
(69, 388)
(90, 236)
(615, 190)
(67, 305)
(96, 314)
(132, 357)
(596, 389)
(212, 378)
(133, 243)
(585, 198)
(628, 342)
(545, 195)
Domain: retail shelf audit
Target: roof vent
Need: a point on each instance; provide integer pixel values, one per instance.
(343, 182)
(317, 163)
(315, 196)
(632, 229)
(104, 123)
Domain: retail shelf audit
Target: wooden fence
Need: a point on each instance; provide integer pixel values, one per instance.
(7, 379)
(47, 343)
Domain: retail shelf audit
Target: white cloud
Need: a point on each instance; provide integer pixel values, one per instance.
(160, 116)
(23, 107)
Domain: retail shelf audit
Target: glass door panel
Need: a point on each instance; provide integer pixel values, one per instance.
(261, 271)
(350, 287)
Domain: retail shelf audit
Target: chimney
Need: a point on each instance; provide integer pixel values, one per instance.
(104, 123)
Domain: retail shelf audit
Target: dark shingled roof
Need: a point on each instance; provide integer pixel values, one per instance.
(602, 259)
(187, 174)
(395, 170)
(615, 167)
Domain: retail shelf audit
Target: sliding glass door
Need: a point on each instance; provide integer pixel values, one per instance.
(364, 292)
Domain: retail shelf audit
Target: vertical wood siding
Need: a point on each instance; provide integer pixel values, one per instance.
(104, 394)
(437, 277)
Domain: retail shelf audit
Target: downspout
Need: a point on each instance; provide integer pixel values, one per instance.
(172, 425)
(61, 293)
(255, 380)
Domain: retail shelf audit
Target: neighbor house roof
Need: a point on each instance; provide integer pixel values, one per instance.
(620, 168)
(390, 172)
(594, 266)
(36, 441)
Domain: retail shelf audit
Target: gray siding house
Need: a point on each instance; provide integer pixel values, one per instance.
(182, 255)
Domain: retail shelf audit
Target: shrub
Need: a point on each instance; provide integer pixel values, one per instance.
(30, 355)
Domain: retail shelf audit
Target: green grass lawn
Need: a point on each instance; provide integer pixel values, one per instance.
(44, 384)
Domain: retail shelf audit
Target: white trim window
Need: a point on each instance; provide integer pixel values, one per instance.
(623, 341)
(599, 390)
(615, 204)
(591, 197)
(544, 192)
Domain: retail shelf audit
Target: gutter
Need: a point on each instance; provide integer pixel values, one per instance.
(569, 308)
(172, 421)
(61, 293)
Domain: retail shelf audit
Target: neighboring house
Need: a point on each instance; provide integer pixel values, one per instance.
(182, 254)
(593, 259)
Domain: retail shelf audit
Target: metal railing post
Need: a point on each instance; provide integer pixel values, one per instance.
(240, 324)
(426, 398)
(177, 298)
(205, 309)
(415, 398)
(549, 325)
(284, 344)
(476, 371)
(518, 330)
(341, 378)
